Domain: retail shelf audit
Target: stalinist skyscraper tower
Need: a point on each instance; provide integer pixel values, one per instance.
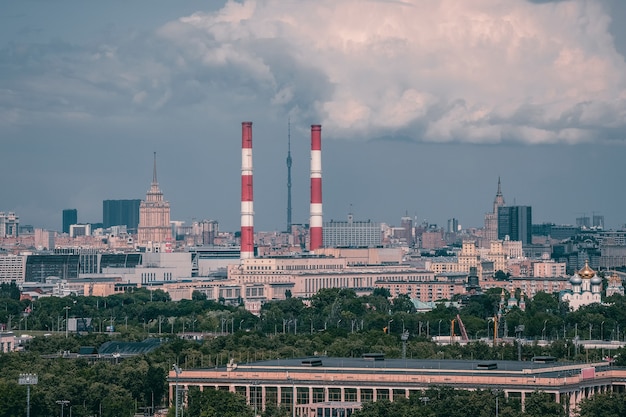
(491, 219)
(154, 215)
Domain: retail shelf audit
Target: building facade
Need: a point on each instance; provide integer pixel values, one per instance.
(352, 233)
(516, 223)
(323, 386)
(9, 224)
(491, 219)
(121, 212)
(70, 217)
(154, 215)
(586, 288)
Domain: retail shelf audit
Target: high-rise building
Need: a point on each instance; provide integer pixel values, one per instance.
(9, 224)
(406, 223)
(70, 217)
(154, 214)
(453, 225)
(598, 221)
(516, 223)
(120, 213)
(491, 219)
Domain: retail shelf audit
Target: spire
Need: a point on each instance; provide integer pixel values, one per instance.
(289, 175)
(499, 200)
(154, 176)
(154, 194)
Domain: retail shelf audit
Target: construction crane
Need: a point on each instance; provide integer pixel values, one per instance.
(464, 337)
(462, 327)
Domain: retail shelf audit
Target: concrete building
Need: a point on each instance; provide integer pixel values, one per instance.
(77, 230)
(154, 215)
(529, 285)
(12, 268)
(323, 386)
(352, 233)
(9, 224)
(549, 269)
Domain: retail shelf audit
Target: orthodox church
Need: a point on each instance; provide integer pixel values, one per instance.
(586, 288)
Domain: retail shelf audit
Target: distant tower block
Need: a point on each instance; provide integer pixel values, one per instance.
(315, 226)
(247, 212)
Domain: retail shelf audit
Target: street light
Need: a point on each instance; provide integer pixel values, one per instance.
(63, 403)
(293, 394)
(178, 371)
(67, 309)
(28, 380)
(602, 330)
(389, 326)
(543, 332)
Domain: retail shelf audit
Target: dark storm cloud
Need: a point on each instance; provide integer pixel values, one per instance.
(389, 81)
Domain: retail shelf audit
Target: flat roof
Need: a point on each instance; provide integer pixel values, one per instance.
(429, 366)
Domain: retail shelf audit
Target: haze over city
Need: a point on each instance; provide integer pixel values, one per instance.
(423, 105)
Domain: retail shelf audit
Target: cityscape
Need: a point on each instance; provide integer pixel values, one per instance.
(313, 209)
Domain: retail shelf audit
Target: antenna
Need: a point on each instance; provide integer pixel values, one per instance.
(289, 175)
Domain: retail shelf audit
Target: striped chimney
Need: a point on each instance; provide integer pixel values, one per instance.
(315, 226)
(247, 212)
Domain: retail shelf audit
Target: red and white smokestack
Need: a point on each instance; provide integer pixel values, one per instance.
(315, 224)
(247, 212)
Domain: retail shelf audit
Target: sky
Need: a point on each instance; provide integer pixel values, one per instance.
(424, 104)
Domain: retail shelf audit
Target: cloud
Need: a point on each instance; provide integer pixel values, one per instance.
(477, 71)
(481, 71)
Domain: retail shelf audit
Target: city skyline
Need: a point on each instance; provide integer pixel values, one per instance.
(422, 108)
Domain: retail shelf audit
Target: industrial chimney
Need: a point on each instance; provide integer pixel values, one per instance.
(315, 224)
(247, 212)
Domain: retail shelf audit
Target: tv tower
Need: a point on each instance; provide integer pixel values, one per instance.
(289, 176)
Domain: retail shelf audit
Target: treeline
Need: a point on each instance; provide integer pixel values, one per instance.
(334, 322)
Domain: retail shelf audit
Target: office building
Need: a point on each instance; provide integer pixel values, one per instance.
(12, 268)
(154, 215)
(352, 234)
(331, 386)
(70, 217)
(120, 213)
(515, 222)
(9, 224)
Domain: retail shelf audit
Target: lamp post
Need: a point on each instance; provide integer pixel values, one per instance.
(178, 371)
(543, 332)
(63, 403)
(293, 394)
(602, 330)
(67, 309)
(28, 380)
(439, 327)
(389, 326)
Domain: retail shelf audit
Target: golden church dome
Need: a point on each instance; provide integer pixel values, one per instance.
(586, 272)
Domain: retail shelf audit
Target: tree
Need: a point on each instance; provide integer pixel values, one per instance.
(603, 405)
(215, 403)
(541, 404)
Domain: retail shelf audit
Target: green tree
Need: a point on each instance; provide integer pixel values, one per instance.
(542, 404)
(603, 405)
(215, 403)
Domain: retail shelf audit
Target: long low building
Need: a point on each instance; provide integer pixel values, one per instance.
(325, 385)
